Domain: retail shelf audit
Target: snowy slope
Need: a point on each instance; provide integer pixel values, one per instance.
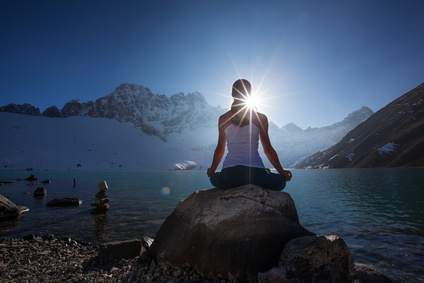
(83, 143)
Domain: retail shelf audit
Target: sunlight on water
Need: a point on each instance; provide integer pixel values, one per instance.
(378, 212)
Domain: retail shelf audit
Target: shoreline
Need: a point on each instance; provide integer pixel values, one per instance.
(48, 259)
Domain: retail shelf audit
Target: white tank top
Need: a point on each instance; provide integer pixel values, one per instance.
(242, 146)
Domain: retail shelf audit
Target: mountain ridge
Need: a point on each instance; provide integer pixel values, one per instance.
(182, 123)
(391, 137)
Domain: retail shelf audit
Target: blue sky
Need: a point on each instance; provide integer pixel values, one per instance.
(313, 62)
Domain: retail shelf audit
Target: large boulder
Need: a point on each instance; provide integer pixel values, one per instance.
(235, 233)
(8, 210)
(317, 258)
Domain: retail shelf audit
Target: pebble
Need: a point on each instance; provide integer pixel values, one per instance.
(47, 259)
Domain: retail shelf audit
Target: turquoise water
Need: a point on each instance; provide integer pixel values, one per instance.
(378, 212)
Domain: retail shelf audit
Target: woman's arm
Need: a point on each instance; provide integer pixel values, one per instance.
(269, 149)
(220, 148)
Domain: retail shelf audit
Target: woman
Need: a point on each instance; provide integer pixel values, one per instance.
(241, 128)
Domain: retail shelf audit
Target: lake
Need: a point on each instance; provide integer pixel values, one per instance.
(378, 212)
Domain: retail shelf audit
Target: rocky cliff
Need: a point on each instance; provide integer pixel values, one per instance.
(392, 137)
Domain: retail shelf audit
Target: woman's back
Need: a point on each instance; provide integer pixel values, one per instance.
(242, 145)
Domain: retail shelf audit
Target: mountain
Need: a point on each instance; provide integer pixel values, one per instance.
(292, 143)
(25, 108)
(155, 115)
(134, 129)
(392, 137)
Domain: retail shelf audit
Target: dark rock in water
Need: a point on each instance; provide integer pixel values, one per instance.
(317, 258)
(367, 273)
(23, 209)
(32, 178)
(8, 210)
(121, 249)
(101, 199)
(236, 233)
(46, 182)
(66, 201)
(40, 192)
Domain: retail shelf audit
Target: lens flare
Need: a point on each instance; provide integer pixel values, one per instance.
(165, 191)
(252, 102)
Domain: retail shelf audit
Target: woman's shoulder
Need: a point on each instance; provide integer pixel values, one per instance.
(226, 116)
(225, 119)
(260, 117)
(260, 121)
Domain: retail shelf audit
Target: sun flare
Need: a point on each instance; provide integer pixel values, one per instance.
(252, 102)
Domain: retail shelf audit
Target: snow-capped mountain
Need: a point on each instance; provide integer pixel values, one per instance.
(392, 137)
(155, 115)
(134, 129)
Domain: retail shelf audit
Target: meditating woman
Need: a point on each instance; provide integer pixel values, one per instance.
(241, 128)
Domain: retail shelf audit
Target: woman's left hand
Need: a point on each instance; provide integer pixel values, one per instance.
(287, 175)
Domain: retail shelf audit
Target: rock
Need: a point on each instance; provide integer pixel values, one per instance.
(367, 273)
(147, 242)
(53, 112)
(32, 178)
(236, 233)
(101, 194)
(46, 182)
(40, 192)
(8, 210)
(29, 237)
(317, 258)
(66, 201)
(102, 186)
(274, 275)
(121, 249)
(23, 209)
(101, 199)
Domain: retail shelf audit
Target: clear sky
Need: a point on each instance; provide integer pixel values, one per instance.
(312, 62)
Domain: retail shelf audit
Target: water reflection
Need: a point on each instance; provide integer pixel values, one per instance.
(100, 221)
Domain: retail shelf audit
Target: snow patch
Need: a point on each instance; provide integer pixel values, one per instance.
(186, 165)
(350, 156)
(388, 148)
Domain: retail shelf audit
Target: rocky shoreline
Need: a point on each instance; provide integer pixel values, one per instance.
(48, 259)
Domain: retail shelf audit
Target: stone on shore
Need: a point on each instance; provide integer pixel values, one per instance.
(317, 257)
(8, 210)
(235, 233)
(65, 201)
(121, 249)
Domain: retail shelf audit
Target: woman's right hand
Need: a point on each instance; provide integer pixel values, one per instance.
(210, 172)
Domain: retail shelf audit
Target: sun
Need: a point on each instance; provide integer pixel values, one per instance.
(252, 102)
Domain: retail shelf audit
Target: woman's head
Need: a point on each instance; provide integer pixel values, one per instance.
(241, 89)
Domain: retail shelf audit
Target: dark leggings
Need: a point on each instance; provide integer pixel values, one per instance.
(239, 175)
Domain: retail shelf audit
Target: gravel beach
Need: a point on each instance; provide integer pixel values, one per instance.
(47, 259)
